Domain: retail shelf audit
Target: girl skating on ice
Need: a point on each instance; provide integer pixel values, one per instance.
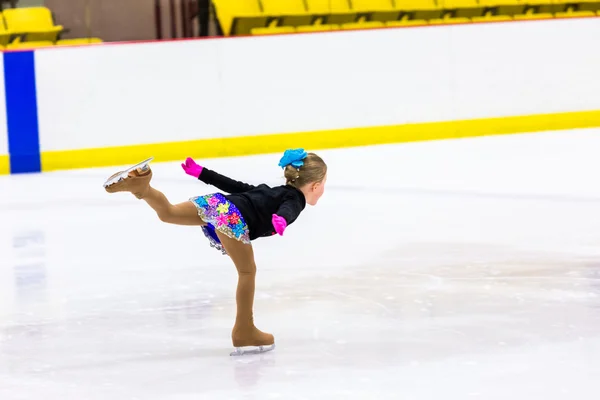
(231, 220)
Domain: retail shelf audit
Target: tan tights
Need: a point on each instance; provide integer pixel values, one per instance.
(184, 213)
(244, 332)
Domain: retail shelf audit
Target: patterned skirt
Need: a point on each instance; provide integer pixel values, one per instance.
(223, 216)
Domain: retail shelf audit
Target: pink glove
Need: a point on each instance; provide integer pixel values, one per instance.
(279, 224)
(191, 168)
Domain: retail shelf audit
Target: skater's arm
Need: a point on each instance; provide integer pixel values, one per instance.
(289, 209)
(287, 213)
(223, 183)
(212, 178)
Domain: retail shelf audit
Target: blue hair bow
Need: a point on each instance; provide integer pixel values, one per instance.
(293, 157)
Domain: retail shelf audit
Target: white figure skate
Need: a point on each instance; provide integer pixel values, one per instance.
(119, 176)
(242, 351)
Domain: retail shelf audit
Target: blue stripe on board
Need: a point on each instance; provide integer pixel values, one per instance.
(21, 112)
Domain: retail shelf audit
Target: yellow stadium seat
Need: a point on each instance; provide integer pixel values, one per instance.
(544, 6)
(32, 23)
(287, 12)
(362, 25)
(537, 2)
(492, 18)
(5, 34)
(275, 30)
(571, 10)
(78, 42)
(29, 45)
(454, 4)
(532, 15)
(376, 10)
(407, 22)
(419, 9)
(238, 17)
(592, 5)
(505, 7)
(557, 6)
(331, 11)
(317, 28)
(575, 14)
(444, 21)
(463, 8)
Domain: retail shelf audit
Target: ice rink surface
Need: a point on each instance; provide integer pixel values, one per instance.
(452, 270)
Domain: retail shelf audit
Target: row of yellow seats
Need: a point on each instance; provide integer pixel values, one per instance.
(28, 24)
(240, 17)
(47, 43)
(274, 30)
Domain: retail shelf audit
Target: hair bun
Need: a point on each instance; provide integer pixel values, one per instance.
(313, 169)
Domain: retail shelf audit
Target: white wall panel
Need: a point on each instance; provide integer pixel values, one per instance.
(115, 95)
(126, 94)
(525, 68)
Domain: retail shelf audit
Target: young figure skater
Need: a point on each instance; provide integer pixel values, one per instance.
(231, 221)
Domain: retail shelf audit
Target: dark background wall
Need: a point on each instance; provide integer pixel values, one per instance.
(110, 20)
(125, 20)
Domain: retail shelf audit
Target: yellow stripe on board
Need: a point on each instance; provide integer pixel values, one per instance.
(4, 165)
(327, 139)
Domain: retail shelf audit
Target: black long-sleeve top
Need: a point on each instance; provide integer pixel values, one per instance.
(257, 204)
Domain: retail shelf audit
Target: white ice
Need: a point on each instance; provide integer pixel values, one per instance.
(443, 270)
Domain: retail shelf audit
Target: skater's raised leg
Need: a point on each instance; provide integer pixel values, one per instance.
(184, 213)
(136, 180)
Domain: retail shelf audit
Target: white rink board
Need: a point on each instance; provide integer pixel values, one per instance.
(119, 94)
(115, 95)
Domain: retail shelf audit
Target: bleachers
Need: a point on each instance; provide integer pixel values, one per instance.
(259, 17)
(33, 27)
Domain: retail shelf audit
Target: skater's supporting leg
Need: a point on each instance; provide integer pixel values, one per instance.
(180, 214)
(244, 332)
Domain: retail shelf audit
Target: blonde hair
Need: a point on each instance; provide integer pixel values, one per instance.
(313, 170)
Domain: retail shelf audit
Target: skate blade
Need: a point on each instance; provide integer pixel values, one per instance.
(122, 175)
(243, 351)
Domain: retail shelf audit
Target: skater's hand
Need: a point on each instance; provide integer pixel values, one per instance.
(191, 168)
(279, 224)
